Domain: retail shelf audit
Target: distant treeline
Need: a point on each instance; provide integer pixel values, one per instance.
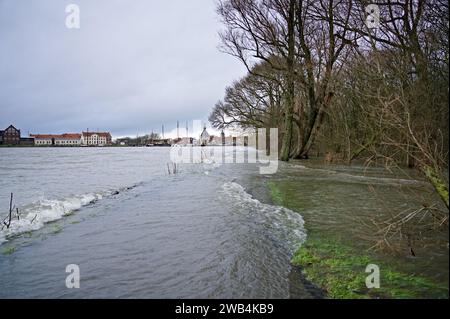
(138, 140)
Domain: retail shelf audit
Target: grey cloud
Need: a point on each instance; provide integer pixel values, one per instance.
(132, 66)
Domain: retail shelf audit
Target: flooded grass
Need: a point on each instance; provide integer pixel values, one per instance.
(8, 250)
(56, 229)
(334, 257)
(340, 271)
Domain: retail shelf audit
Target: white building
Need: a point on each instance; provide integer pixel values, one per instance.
(95, 138)
(42, 139)
(204, 137)
(57, 139)
(68, 140)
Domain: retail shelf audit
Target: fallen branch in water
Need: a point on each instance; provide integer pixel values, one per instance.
(404, 230)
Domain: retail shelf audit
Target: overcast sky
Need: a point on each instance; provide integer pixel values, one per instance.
(132, 66)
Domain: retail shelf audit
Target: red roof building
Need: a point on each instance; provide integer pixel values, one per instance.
(67, 139)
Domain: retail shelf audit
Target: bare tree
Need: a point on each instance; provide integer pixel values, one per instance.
(262, 30)
(252, 102)
(300, 38)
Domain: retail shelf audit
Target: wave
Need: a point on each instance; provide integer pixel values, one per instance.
(286, 225)
(35, 215)
(350, 178)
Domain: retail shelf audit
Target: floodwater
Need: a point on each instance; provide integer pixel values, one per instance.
(353, 203)
(136, 231)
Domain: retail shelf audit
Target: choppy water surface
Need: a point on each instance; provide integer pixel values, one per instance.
(136, 231)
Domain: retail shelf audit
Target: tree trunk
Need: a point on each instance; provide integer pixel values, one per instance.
(438, 184)
(314, 129)
(290, 90)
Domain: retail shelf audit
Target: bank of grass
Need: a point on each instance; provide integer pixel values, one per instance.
(56, 229)
(340, 271)
(339, 268)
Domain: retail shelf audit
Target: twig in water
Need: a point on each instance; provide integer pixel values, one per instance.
(172, 168)
(7, 224)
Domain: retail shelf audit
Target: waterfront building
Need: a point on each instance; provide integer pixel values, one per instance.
(204, 137)
(67, 139)
(96, 138)
(10, 136)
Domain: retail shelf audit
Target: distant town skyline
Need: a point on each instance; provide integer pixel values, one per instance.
(130, 68)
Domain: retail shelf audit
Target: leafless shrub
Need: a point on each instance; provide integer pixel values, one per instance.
(404, 230)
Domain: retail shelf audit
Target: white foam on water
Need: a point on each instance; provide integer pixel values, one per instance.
(346, 177)
(283, 223)
(34, 216)
(298, 166)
